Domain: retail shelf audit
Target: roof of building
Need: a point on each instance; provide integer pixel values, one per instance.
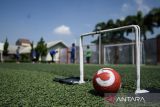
(22, 40)
(53, 43)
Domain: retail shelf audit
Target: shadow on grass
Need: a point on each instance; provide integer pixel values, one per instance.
(153, 90)
(96, 93)
(69, 80)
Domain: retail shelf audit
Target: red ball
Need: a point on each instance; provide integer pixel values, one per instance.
(107, 80)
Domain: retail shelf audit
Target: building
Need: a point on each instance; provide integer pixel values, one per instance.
(25, 50)
(61, 55)
(1, 51)
(23, 42)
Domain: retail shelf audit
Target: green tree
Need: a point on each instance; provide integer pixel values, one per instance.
(100, 26)
(41, 48)
(155, 17)
(146, 22)
(6, 45)
(32, 48)
(110, 37)
(152, 19)
(137, 19)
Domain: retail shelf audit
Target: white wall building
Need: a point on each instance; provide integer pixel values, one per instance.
(59, 46)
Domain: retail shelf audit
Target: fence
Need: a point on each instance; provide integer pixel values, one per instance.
(124, 53)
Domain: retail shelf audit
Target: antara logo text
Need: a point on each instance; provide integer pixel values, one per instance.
(130, 99)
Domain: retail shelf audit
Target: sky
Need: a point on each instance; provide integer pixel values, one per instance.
(62, 19)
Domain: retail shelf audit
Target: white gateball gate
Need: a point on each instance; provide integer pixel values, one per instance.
(138, 52)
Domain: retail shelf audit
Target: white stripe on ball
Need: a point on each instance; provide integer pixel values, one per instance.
(106, 83)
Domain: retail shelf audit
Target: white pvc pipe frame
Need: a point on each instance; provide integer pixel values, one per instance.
(138, 52)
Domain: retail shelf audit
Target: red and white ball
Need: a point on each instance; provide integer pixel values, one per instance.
(107, 80)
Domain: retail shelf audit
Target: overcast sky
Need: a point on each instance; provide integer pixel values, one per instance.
(62, 19)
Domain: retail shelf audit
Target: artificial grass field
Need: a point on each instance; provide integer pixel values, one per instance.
(29, 85)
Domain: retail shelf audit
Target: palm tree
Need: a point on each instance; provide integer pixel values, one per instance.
(100, 26)
(155, 16)
(140, 21)
(136, 20)
(148, 21)
(145, 23)
(110, 37)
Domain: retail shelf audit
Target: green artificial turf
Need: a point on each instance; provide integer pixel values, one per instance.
(28, 84)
